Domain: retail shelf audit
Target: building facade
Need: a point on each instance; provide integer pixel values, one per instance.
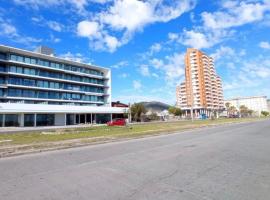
(255, 103)
(39, 89)
(201, 92)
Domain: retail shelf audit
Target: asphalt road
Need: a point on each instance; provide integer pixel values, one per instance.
(228, 162)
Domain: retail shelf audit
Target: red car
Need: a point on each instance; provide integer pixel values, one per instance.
(117, 122)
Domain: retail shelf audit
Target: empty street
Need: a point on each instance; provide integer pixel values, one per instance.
(229, 162)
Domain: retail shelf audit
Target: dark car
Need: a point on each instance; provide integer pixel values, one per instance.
(117, 122)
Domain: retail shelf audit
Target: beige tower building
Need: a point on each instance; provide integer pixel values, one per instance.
(202, 89)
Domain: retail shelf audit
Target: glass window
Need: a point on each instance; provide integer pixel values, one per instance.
(33, 61)
(43, 95)
(1, 92)
(2, 80)
(29, 71)
(27, 60)
(13, 57)
(46, 63)
(45, 119)
(29, 119)
(19, 58)
(2, 56)
(1, 120)
(2, 68)
(14, 92)
(19, 70)
(11, 120)
(29, 93)
(29, 82)
(13, 69)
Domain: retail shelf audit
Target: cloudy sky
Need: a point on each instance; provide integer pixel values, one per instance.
(144, 41)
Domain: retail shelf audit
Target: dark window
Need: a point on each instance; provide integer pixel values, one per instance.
(29, 119)
(29, 93)
(2, 56)
(11, 120)
(14, 92)
(45, 119)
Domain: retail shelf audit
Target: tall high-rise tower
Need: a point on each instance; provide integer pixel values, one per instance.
(202, 89)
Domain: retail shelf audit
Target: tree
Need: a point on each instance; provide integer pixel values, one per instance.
(227, 105)
(265, 113)
(244, 111)
(232, 110)
(175, 111)
(137, 109)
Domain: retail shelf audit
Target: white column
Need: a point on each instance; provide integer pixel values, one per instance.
(21, 120)
(35, 120)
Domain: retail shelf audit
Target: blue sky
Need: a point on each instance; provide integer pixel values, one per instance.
(144, 42)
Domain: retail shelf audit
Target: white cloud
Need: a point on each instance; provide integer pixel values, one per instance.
(174, 68)
(117, 23)
(264, 45)
(124, 75)
(235, 14)
(222, 52)
(137, 85)
(155, 48)
(203, 39)
(144, 70)
(88, 29)
(120, 64)
(156, 63)
(111, 42)
(7, 29)
(55, 26)
(77, 57)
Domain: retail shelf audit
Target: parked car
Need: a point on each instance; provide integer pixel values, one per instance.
(117, 122)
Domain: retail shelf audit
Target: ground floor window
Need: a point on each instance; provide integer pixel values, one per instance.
(103, 118)
(45, 119)
(1, 120)
(29, 120)
(70, 119)
(12, 120)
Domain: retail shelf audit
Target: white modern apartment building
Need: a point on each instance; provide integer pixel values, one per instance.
(39, 89)
(201, 92)
(255, 103)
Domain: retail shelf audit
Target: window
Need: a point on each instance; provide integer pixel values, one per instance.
(29, 119)
(43, 95)
(45, 119)
(27, 60)
(29, 82)
(2, 68)
(29, 93)
(14, 92)
(13, 57)
(15, 81)
(2, 80)
(33, 61)
(19, 58)
(29, 71)
(2, 92)
(54, 95)
(2, 56)
(11, 120)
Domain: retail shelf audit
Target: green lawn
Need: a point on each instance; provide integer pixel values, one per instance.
(106, 133)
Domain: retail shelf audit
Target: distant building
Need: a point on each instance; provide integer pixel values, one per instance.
(255, 103)
(119, 104)
(202, 89)
(268, 105)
